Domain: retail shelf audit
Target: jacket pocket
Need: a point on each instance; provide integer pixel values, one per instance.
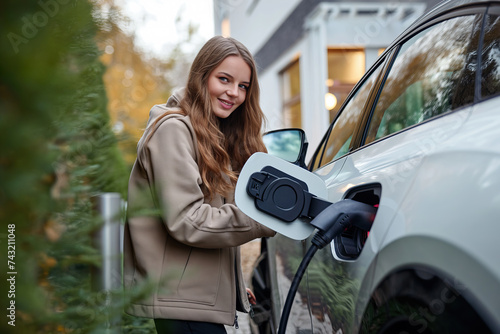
(190, 274)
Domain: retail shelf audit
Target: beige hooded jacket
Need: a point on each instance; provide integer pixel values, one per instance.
(185, 246)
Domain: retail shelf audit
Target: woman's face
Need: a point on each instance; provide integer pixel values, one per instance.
(228, 84)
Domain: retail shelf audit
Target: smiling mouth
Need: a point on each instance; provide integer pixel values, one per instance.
(226, 104)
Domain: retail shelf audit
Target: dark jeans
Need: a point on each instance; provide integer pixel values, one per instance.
(166, 326)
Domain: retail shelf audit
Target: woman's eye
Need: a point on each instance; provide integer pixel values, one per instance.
(224, 79)
(245, 87)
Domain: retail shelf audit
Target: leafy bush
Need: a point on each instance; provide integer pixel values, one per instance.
(57, 151)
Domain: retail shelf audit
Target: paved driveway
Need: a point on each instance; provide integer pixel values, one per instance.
(249, 253)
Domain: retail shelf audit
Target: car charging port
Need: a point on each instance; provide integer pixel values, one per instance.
(349, 244)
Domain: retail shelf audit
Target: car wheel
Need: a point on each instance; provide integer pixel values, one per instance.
(262, 317)
(418, 301)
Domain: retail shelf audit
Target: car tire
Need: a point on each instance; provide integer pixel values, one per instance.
(419, 301)
(263, 317)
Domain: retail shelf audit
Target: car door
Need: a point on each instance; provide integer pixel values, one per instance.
(419, 101)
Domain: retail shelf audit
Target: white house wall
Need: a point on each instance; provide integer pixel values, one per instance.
(253, 21)
(313, 76)
(371, 32)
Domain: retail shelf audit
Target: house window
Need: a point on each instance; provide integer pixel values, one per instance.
(290, 83)
(226, 27)
(345, 68)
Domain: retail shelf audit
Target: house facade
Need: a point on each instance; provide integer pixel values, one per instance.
(311, 53)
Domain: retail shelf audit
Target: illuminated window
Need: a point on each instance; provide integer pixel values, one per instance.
(226, 28)
(345, 68)
(290, 83)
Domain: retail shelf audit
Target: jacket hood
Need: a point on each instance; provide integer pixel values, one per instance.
(173, 103)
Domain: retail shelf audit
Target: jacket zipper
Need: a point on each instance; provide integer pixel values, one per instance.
(236, 322)
(238, 295)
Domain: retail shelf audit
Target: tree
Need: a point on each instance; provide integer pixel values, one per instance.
(57, 151)
(134, 79)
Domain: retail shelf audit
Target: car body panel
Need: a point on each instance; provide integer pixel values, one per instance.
(393, 163)
(466, 170)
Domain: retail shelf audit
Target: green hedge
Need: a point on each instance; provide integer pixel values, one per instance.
(57, 150)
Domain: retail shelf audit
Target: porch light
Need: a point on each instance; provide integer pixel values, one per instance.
(330, 101)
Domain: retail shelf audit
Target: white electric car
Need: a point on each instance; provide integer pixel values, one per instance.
(418, 139)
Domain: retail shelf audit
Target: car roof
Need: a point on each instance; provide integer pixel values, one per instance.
(439, 9)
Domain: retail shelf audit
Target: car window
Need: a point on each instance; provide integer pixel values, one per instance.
(342, 131)
(433, 73)
(490, 57)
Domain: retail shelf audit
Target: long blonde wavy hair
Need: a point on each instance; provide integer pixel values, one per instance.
(224, 144)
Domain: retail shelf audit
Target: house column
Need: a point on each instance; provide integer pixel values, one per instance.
(313, 76)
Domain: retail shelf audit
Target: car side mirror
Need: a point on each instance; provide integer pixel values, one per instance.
(287, 144)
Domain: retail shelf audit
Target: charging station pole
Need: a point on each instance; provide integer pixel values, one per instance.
(108, 240)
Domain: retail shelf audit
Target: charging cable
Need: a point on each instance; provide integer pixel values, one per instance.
(332, 221)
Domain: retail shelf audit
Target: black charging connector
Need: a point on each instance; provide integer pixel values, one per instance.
(279, 194)
(283, 196)
(338, 217)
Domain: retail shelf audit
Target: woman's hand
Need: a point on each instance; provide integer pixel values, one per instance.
(251, 297)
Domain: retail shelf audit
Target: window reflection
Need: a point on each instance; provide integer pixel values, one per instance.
(339, 138)
(490, 64)
(433, 73)
(284, 144)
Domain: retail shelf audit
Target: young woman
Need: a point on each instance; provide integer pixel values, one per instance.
(183, 229)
